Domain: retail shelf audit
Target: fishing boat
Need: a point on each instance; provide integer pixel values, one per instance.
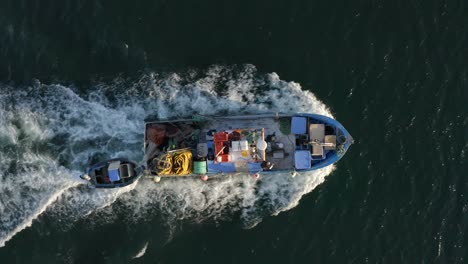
(249, 144)
(113, 173)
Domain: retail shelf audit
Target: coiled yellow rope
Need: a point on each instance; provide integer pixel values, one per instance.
(164, 163)
(182, 163)
(179, 163)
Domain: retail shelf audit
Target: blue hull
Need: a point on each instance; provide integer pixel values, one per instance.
(227, 162)
(335, 156)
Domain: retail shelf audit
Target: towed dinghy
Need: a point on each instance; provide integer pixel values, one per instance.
(112, 173)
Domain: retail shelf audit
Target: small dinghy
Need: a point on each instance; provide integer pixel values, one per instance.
(112, 173)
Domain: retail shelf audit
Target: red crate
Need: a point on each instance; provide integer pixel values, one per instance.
(221, 136)
(219, 145)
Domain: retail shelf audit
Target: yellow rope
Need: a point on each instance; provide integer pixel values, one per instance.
(176, 163)
(163, 164)
(182, 163)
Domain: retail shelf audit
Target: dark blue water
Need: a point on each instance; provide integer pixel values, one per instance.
(394, 73)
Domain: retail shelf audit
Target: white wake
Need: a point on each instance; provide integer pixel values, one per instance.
(48, 132)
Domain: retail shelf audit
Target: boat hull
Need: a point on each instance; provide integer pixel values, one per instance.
(295, 142)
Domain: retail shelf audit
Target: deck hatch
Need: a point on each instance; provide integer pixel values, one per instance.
(298, 125)
(113, 169)
(302, 159)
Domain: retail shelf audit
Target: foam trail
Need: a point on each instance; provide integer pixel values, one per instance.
(218, 199)
(31, 180)
(141, 252)
(25, 195)
(282, 192)
(191, 198)
(26, 220)
(46, 131)
(81, 202)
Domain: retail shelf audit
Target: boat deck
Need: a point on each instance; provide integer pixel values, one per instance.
(219, 141)
(230, 144)
(282, 158)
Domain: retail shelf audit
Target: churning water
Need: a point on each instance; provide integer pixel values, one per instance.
(48, 133)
